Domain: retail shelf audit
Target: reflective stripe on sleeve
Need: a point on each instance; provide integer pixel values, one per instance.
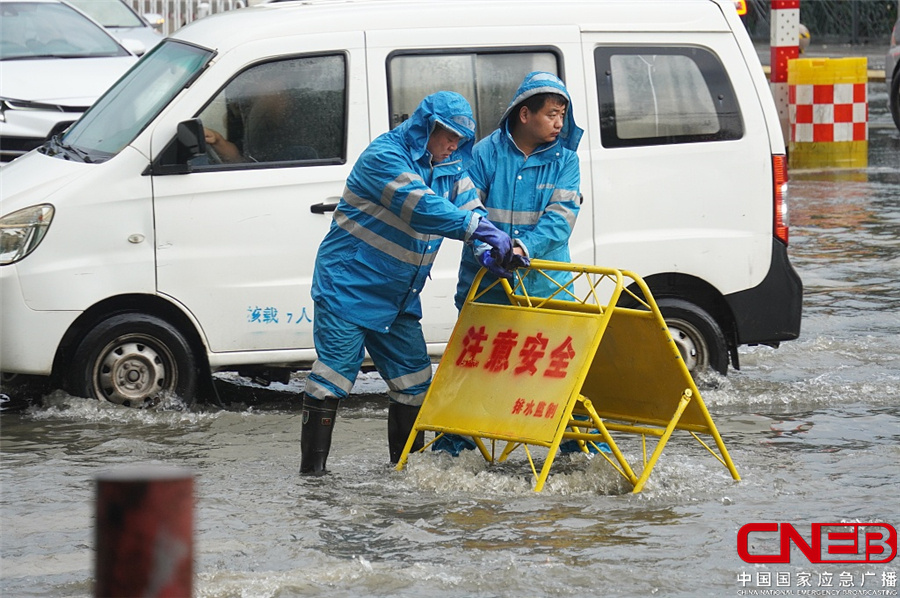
(472, 205)
(380, 213)
(464, 184)
(563, 211)
(405, 178)
(389, 247)
(412, 200)
(563, 195)
(512, 217)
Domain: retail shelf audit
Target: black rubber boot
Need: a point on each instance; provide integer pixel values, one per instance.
(401, 419)
(315, 436)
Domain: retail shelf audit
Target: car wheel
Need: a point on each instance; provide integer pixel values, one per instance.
(696, 334)
(134, 360)
(895, 99)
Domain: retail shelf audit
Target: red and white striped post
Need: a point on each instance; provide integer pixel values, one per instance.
(784, 41)
(144, 533)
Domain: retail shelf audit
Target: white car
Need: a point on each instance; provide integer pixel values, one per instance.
(122, 21)
(54, 63)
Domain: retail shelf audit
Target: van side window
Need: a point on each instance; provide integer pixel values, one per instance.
(284, 111)
(664, 95)
(487, 80)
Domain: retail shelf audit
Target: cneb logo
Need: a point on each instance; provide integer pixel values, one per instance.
(828, 542)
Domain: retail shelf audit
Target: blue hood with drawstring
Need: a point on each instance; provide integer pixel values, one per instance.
(451, 111)
(541, 82)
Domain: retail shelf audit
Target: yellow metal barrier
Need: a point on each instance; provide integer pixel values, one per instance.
(598, 348)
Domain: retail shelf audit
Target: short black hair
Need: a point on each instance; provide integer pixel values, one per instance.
(534, 104)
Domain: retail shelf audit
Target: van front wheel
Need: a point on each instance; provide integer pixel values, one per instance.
(134, 360)
(696, 334)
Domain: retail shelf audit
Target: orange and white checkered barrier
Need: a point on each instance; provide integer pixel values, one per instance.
(829, 112)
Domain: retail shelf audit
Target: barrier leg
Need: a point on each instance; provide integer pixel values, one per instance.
(408, 446)
(720, 444)
(626, 470)
(682, 405)
(510, 447)
(484, 452)
(545, 470)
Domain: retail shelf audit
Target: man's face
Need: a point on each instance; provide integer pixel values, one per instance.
(544, 125)
(442, 143)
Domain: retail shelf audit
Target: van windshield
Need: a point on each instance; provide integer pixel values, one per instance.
(132, 103)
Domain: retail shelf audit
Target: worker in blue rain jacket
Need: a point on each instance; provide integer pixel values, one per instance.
(527, 175)
(407, 191)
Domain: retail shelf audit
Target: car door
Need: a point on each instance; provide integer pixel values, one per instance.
(237, 237)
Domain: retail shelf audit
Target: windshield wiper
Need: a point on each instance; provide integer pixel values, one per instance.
(44, 56)
(55, 147)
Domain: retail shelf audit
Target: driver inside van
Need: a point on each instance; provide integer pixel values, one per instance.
(263, 120)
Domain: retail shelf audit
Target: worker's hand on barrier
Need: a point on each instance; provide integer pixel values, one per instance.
(517, 261)
(491, 261)
(486, 232)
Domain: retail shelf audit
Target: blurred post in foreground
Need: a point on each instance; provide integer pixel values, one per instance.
(144, 532)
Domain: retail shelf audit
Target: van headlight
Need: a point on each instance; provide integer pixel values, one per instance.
(22, 231)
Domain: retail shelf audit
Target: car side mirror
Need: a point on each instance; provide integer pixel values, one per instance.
(190, 138)
(134, 46)
(187, 150)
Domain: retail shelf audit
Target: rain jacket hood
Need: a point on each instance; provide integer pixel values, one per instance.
(450, 110)
(542, 82)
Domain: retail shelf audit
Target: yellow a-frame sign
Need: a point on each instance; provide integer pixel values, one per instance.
(598, 348)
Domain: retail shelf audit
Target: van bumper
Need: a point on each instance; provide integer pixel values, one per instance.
(770, 312)
(28, 338)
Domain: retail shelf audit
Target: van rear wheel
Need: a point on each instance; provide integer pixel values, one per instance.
(134, 360)
(696, 334)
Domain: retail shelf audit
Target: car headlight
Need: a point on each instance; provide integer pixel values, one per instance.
(22, 231)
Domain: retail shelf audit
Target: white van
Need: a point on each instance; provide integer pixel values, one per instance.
(134, 261)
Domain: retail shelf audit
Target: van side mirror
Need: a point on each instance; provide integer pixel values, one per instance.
(186, 150)
(190, 139)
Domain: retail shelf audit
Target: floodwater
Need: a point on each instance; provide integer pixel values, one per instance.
(813, 428)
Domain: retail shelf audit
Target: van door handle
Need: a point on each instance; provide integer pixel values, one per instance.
(321, 208)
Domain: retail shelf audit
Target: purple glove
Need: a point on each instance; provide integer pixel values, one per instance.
(496, 238)
(490, 261)
(517, 261)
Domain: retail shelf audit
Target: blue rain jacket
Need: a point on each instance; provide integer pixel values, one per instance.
(535, 200)
(393, 214)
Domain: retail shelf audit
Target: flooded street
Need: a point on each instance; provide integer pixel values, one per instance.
(813, 428)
